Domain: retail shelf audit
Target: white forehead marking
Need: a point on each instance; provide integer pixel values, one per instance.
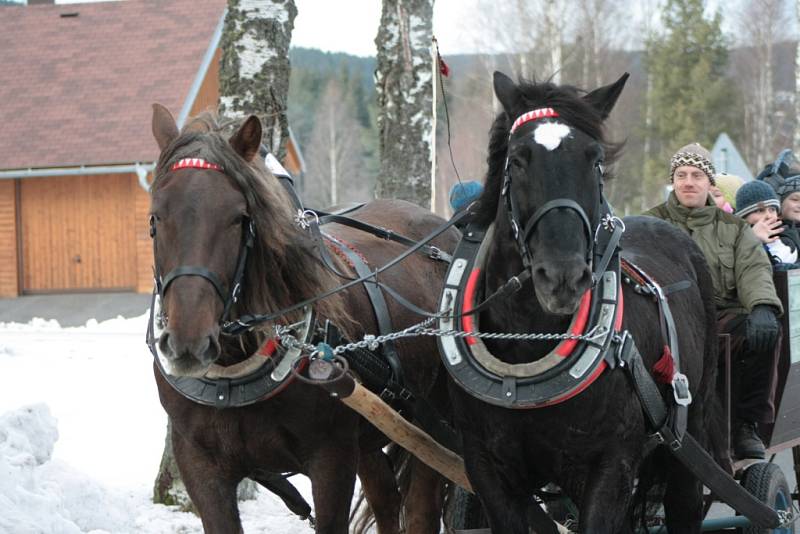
(550, 134)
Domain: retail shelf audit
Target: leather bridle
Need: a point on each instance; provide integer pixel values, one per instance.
(523, 233)
(230, 297)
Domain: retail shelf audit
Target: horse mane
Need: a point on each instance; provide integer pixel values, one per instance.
(283, 267)
(571, 108)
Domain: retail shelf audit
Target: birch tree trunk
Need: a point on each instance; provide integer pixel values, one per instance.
(553, 32)
(404, 85)
(254, 71)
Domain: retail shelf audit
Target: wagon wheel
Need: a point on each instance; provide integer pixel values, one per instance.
(464, 512)
(766, 482)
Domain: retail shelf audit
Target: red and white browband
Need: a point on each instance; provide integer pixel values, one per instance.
(195, 163)
(536, 114)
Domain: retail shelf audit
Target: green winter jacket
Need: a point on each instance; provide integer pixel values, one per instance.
(739, 265)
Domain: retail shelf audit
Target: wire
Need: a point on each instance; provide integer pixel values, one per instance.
(446, 111)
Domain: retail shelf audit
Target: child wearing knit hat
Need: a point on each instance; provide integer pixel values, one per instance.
(758, 204)
(724, 192)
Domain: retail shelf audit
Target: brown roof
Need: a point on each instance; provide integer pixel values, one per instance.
(77, 90)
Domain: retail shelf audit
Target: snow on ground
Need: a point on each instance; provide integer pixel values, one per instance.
(81, 436)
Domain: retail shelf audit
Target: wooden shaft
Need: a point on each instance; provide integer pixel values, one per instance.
(408, 436)
(416, 441)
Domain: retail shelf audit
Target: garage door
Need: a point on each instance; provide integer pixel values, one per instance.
(77, 233)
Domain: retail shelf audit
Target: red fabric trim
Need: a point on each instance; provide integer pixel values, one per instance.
(333, 246)
(195, 163)
(620, 310)
(468, 321)
(536, 114)
(566, 347)
(268, 348)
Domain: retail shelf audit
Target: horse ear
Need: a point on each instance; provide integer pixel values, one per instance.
(506, 91)
(164, 128)
(603, 98)
(247, 139)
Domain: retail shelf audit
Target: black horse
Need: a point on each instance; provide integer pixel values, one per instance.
(594, 444)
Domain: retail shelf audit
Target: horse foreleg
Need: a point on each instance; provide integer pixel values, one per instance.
(380, 489)
(607, 495)
(332, 470)
(424, 501)
(213, 491)
(683, 500)
(502, 493)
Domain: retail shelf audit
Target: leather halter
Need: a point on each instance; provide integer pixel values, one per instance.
(248, 239)
(522, 234)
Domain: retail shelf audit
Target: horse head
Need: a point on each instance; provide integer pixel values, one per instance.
(200, 223)
(547, 162)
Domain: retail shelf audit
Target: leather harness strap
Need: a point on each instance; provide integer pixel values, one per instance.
(684, 447)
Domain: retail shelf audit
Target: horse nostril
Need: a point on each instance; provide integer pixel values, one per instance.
(212, 350)
(584, 277)
(540, 273)
(164, 345)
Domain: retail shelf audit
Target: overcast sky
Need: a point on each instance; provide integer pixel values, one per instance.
(460, 26)
(351, 25)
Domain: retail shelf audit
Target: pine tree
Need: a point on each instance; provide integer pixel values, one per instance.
(689, 100)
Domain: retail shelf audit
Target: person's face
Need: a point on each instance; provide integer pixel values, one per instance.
(790, 207)
(768, 214)
(691, 186)
(719, 198)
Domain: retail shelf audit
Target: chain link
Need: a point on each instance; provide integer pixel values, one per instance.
(422, 329)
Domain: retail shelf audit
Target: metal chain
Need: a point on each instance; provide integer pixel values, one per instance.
(421, 329)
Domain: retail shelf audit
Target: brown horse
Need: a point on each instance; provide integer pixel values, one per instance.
(202, 213)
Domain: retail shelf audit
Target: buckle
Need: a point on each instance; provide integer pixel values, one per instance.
(680, 389)
(435, 253)
(658, 437)
(620, 340)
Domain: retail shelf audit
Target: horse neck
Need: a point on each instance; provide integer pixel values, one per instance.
(520, 313)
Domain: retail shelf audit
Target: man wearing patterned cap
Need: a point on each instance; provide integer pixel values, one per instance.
(747, 305)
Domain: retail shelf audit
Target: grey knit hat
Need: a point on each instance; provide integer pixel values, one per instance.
(754, 196)
(695, 155)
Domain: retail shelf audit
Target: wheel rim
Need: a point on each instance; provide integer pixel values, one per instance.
(782, 504)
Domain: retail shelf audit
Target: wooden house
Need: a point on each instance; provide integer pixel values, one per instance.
(76, 150)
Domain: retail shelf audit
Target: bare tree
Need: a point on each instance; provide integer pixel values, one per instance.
(334, 153)
(403, 80)
(756, 74)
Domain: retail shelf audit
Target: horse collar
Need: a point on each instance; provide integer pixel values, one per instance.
(264, 374)
(563, 373)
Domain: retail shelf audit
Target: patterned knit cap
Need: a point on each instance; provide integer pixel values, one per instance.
(696, 156)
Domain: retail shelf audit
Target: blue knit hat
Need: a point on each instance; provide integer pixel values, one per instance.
(754, 196)
(463, 193)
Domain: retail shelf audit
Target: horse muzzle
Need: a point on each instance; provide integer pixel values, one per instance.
(560, 284)
(188, 356)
